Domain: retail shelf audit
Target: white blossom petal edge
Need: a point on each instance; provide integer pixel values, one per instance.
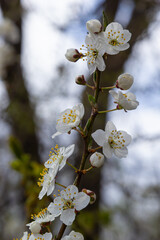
(69, 201)
(74, 236)
(114, 141)
(69, 119)
(126, 101)
(27, 236)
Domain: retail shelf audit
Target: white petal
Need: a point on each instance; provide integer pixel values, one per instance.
(110, 127)
(81, 201)
(127, 138)
(68, 216)
(114, 26)
(51, 187)
(110, 50)
(120, 153)
(42, 193)
(99, 137)
(114, 94)
(70, 192)
(107, 150)
(76, 235)
(80, 108)
(56, 208)
(122, 47)
(91, 67)
(100, 63)
(56, 134)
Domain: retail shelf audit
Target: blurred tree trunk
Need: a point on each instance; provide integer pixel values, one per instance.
(20, 113)
(138, 23)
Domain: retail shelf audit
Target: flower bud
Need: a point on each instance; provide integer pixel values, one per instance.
(80, 80)
(91, 194)
(94, 26)
(97, 159)
(35, 227)
(124, 81)
(73, 55)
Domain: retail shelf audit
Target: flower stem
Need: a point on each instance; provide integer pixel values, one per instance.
(87, 135)
(106, 111)
(95, 149)
(87, 170)
(92, 87)
(60, 185)
(107, 88)
(69, 164)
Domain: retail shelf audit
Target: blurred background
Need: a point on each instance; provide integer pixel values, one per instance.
(37, 83)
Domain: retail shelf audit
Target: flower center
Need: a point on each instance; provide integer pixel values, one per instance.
(116, 140)
(68, 204)
(69, 117)
(41, 180)
(114, 42)
(91, 53)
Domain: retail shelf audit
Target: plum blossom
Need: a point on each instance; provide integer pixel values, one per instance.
(43, 216)
(95, 49)
(73, 55)
(74, 236)
(47, 182)
(112, 141)
(69, 201)
(59, 157)
(69, 119)
(28, 236)
(97, 159)
(116, 38)
(124, 81)
(125, 101)
(94, 26)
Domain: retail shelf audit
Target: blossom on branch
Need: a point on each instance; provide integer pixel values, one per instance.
(97, 159)
(74, 236)
(43, 216)
(69, 119)
(59, 157)
(27, 236)
(94, 26)
(47, 182)
(124, 81)
(68, 203)
(116, 38)
(125, 101)
(112, 141)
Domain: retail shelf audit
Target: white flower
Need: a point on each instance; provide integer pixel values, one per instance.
(94, 26)
(97, 159)
(59, 157)
(126, 101)
(116, 38)
(34, 227)
(95, 50)
(112, 141)
(124, 81)
(47, 182)
(74, 236)
(9, 31)
(73, 55)
(69, 201)
(27, 236)
(42, 217)
(69, 119)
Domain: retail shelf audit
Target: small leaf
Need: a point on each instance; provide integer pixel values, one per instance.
(105, 21)
(91, 99)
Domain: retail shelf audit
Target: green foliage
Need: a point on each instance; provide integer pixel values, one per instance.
(30, 171)
(91, 100)
(105, 21)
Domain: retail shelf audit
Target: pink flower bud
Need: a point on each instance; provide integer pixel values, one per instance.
(97, 159)
(91, 194)
(94, 26)
(124, 81)
(80, 80)
(73, 55)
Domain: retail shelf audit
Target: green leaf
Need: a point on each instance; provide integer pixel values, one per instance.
(91, 99)
(105, 21)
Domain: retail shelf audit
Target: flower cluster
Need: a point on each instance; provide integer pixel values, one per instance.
(98, 44)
